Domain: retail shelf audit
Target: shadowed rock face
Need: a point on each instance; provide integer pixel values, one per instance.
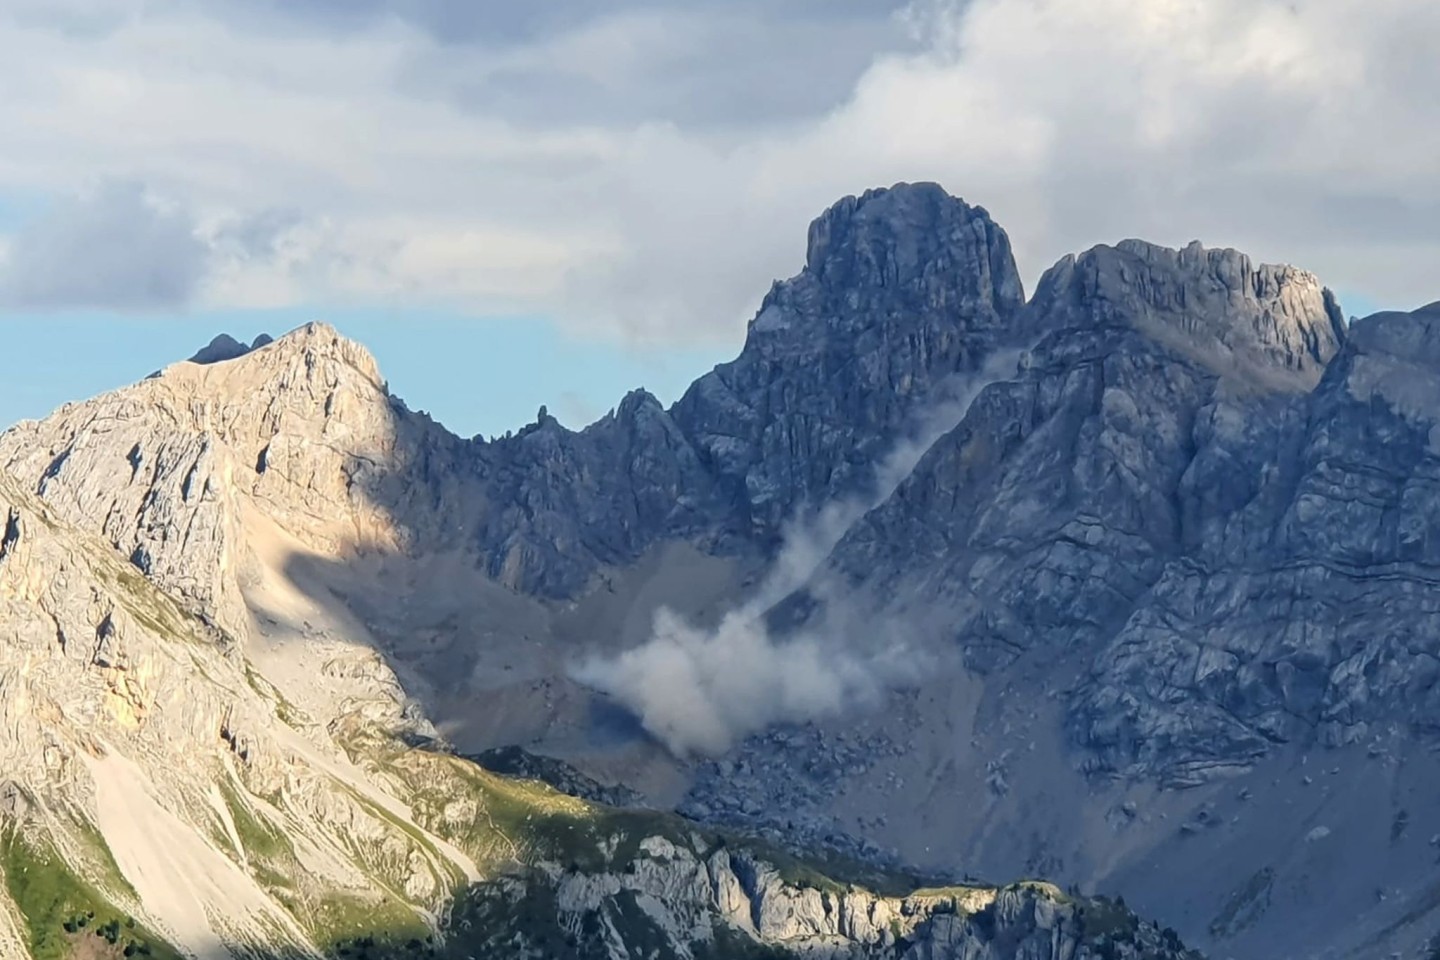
(1190, 538)
(1306, 611)
(1055, 506)
(156, 786)
(902, 289)
(225, 347)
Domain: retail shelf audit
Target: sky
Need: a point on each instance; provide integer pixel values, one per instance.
(554, 202)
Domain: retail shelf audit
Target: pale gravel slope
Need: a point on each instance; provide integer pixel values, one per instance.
(197, 896)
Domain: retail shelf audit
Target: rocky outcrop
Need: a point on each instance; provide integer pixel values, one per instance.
(302, 431)
(1056, 504)
(567, 503)
(225, 347)
(682, 904)
(902, 290)
(1273, 324)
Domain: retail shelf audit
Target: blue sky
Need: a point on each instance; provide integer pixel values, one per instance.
(476, 377)
(516, 204)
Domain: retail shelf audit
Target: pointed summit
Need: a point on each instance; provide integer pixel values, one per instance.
(916, 238)
(320, 342)
(903, 288)
(223, 347)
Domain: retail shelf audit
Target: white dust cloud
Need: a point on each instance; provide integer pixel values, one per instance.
(699, 690)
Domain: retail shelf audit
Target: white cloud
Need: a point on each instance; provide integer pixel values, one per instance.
(700, 691)
(477, 174)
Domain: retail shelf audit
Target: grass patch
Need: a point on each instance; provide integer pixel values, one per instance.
(527, 821)
(258, 837)
(355, 927)
(287, 712)
(144, 601)
(503, 823)
(340, 920)
(64, 913)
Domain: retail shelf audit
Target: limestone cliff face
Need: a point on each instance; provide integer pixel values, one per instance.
(302, 430)
(1055, 505)
(721, 902)
(1274, 323)
(1337, 532)
(142, 754)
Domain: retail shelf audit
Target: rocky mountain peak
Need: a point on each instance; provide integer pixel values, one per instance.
(637, 401)
(903, 289)
(272, 364)
(1271, 324)
(916, 240)
(311, 381)
(318, 343)
(225, 347)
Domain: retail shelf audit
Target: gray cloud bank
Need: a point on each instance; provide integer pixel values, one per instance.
(113, 248)
(645, 169)
(700, 691)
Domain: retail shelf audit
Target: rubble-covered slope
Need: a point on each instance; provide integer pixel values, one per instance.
(161, 799)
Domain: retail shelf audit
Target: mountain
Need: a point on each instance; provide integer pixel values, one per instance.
(1125, 585)
(163, 798)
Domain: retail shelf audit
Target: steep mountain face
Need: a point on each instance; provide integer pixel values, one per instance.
(1056, 504)
(162, 798)
(156, 798)
(1164, 584)
(1342, 536)
(566, 504)
(902, 290)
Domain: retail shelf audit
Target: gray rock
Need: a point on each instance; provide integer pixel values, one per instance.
(225, 347)
(902, 289)
(1292, 617)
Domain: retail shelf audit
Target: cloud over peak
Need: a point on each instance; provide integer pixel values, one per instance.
(646, 170)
